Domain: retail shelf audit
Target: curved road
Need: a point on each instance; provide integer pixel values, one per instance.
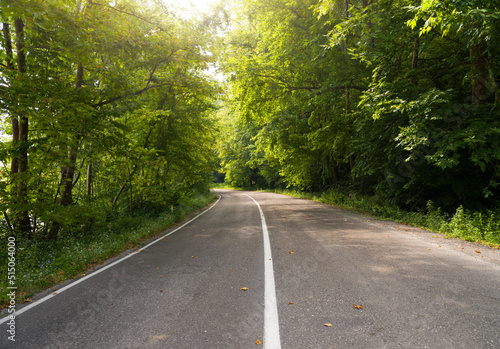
(212, 284)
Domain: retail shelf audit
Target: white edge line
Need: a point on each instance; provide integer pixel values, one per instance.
(271, 322)
(59, 291)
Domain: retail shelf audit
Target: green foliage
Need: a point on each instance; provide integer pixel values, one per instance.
(380, 96)
(119, 109)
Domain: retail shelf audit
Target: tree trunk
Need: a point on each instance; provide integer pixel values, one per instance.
(414, 61)
(347, 92)
(22, 219)
(89, 181)
(478, 70)
(68, 172)
(117, 196)
(493, 82)
(14, 167)
(67, 193)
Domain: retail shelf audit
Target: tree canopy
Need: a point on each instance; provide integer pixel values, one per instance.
(394, 97)
(109, 108)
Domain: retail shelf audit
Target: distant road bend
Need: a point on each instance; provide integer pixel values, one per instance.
(270, 271)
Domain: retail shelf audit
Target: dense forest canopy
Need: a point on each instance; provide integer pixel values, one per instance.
(395, 97)
(109, 109)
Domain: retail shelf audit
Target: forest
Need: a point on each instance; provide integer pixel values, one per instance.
(111, 111)
(108, 110)
(393, 97)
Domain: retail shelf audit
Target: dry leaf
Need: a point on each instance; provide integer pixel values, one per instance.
(161, 276)
(157, 267)
(327, 325)
(290, 303)
(478, 251)
(258, 342)
(291, 252)
(161, 290)
(29, 300)
(357, 306)
(54, 293)
(244, 289)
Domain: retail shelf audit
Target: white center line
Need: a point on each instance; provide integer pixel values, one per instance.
(271, 321)
(46, 298)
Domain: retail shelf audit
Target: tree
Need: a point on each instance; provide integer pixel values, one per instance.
(117, 88)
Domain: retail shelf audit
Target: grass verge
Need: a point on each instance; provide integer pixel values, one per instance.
(40, 265)
(480, 227)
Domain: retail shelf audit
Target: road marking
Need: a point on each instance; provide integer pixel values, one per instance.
(271, 321)
(46, 298)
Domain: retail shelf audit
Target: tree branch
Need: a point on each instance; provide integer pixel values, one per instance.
(136, 93)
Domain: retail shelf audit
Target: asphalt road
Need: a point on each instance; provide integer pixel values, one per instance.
(416, 289)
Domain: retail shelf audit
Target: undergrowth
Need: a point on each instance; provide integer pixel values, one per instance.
(43, 264)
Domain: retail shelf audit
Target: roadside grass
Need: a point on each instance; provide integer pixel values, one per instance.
(480, 227)
(43, 264)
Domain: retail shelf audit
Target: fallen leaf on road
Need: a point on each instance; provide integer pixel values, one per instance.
(161, 290)
(327, 325)
(244, 289)
(357, 306)
(258, 342)
(29, 300)
(291, 252)
(157, 267)
(477, 251)
(161, 276)
(290, 303)
(54, 293)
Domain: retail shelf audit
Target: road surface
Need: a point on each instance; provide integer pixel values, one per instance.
(212, 284)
